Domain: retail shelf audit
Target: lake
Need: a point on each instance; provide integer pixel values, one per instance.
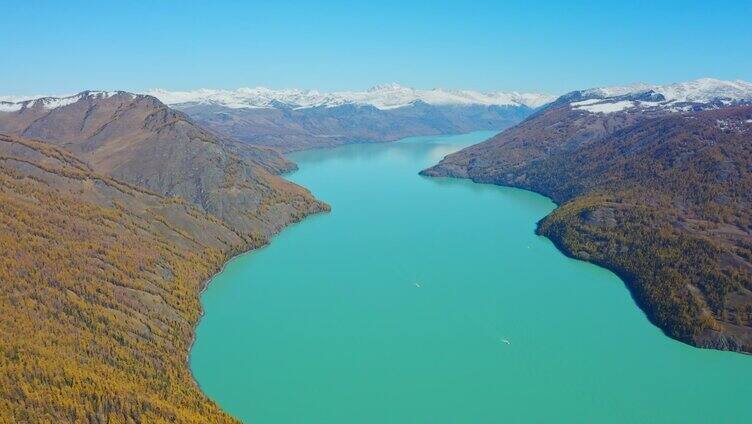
(420, 300)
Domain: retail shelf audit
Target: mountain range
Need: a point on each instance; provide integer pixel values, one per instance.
(291, 120)
(653, 182)
(385, 96)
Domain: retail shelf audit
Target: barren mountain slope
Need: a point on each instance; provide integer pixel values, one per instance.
(138, 139)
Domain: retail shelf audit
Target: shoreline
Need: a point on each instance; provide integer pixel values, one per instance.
(627, 280)
(231, 256)
(213, 370)
(234, 254)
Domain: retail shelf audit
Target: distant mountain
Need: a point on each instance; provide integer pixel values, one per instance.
(387, 96)
(294, 119)
(655, 183)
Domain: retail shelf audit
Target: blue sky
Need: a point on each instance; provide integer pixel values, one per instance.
(52, 47)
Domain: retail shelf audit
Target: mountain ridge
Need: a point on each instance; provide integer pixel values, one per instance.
(138, 139)
(703, 93)
(385, 96)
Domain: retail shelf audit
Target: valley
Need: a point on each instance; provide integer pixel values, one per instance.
(118, 209)
(374, 212)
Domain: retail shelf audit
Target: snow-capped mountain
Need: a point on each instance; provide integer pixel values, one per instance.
(302, 119)
(17, 103)
(691, 95)
(388, 96)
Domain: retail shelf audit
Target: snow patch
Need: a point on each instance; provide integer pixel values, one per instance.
(648, 104)
(706, 90)
(586, 102)
(56, 102)
(102, 94)
(607, 107)
(10, 107)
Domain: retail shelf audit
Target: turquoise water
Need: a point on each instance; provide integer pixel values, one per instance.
(394, 308)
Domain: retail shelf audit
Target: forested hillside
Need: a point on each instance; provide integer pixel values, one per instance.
(109, 229)
(664, 199)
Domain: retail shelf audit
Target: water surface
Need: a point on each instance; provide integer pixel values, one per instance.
(420, 300)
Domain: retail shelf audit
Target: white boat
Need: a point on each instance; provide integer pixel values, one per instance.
(417, 285)
(506, 341)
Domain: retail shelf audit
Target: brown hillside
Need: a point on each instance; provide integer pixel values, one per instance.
(99, 293)
(664, 199)
(137, 139)
(109, 228)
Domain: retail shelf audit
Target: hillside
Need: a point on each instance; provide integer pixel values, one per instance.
(111, 225)
(659, 193)
(295, 120)
(99, 294)
(137, 139)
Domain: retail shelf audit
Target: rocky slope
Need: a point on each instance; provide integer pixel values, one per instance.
(293, 120)
(652, 184)
(138, 139)
(111, 222)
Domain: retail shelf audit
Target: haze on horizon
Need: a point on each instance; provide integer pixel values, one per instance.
(550, 47)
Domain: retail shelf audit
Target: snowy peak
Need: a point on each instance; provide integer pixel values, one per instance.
(706, 90)
(49, 102)
(386, 96)
(701, 93)
(253, 98)
(393, 95)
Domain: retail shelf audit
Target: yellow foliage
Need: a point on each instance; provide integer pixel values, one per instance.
(97, 313)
